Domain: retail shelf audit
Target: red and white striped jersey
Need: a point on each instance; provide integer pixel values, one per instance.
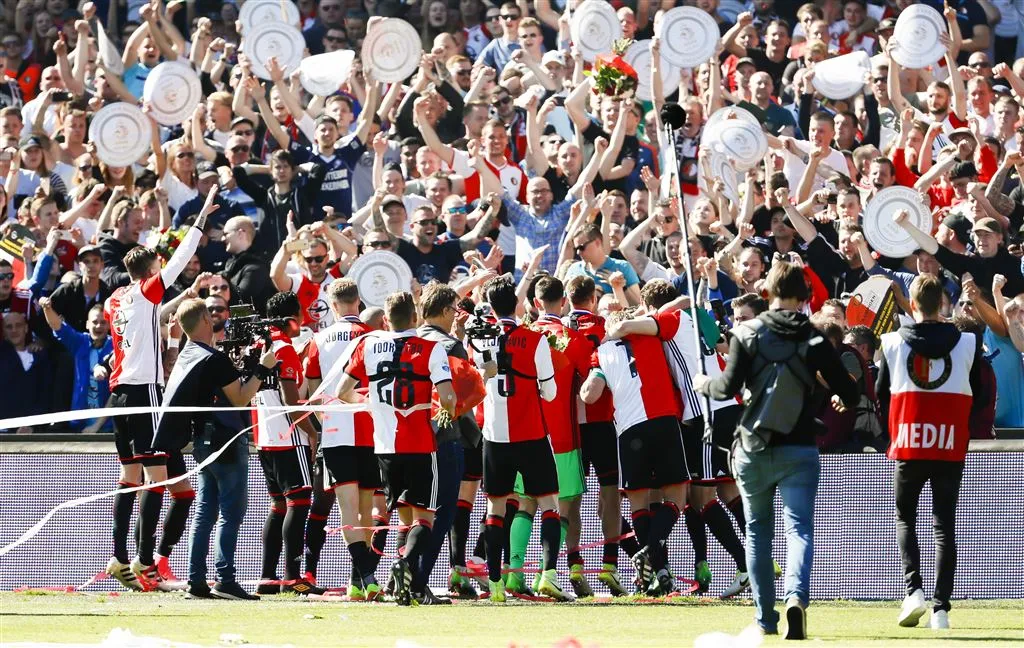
(592, 328)
(401, 370)
(274, 429)
(676, 329)
(133, 314)
(560, 413)
(637, 374)
(930, 401)
(316, 310)
(331, 349)
(512, 406)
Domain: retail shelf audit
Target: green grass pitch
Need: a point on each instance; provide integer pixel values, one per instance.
(89, 618)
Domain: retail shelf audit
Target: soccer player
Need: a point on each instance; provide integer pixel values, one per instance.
(928, 375)
(597, 438)
(348, 465)
(400, 369)
(515, 437)
(285, 444)
(135, 381)
(708, 462)
(651, 452)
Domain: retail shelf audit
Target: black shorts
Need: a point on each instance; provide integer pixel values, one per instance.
(133, 433)
(533, 459)
(600, 450)
(176, 464)
(410, 479)
(651, 455)
(350, 465)
(709, 462)
(474, 462)
(287, 472)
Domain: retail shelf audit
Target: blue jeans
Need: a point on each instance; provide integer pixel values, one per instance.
(794, 471)
(450, 462)
(223, 489)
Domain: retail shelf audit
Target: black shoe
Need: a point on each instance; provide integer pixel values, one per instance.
(198, 591)
(232, 591)
(796, 619)
(301, 587)
(429, 598)
(268, 586)
(403, 580)
(662, 585)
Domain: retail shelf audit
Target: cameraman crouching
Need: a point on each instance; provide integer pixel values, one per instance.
(204, 376)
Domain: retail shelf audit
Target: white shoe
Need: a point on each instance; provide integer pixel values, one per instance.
(939, 620)
(148, 575)
(914, 607)
(124, 574)
(739, 584)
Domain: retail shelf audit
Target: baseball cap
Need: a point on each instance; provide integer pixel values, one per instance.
(554, 56)
(32, 141)
(88, 249)
(888, 24)
(205, 169)
(960, 226)
(959, 132)
(987, 224)
(963, 170)
(391, 199)
(241, 120)
(745, 59)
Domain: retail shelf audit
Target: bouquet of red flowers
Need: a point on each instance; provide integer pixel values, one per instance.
(612, 75)
(169, 242)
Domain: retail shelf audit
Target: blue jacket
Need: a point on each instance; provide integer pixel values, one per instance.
(79, 345)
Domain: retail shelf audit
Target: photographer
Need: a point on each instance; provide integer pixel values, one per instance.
(776, 357)
(204, 376)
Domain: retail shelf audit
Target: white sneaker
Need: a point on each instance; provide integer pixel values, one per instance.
(939, 620)
(124, 575)
(914, 607)
(739, 584)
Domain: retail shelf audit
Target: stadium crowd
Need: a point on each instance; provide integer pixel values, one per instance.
(498, 175)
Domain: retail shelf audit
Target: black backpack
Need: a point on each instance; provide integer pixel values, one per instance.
(777, 389)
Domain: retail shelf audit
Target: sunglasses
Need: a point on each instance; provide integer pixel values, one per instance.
(334, 39)
(509, 17)
(185, 154)
(583, 246)
(9, 276)
(315, 259)
(981, 64)
(218, 287)
(85, 168)
(216, 309)
(426, 222)
(501, 102)
(494, 17)
(464, 73)
(457, 210)
(377, 245)
(241, 148)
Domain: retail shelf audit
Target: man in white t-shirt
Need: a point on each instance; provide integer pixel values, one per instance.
(796, 153)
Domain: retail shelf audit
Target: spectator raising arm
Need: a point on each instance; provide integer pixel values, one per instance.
(609, 169)
(803, 227)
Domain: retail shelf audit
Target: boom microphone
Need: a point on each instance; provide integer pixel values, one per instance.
(673, 115)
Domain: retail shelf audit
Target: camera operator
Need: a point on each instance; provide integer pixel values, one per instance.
(775, 358)
(204, 376)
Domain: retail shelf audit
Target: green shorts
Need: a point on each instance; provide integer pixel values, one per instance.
(571, 480)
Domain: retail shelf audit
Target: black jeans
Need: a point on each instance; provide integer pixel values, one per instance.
(909, 479)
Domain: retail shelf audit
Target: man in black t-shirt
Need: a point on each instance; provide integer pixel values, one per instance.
(204, 376)
(611, 109)
(430, 260)
(772, 57)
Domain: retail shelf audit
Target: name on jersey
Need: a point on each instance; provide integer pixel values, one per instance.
(926, 435)
(515, 342)
(341, 336)
(389, 347)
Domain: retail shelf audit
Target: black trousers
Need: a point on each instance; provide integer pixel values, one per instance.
(909, 479)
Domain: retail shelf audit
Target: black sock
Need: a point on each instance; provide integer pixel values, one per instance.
(610, 554)
(630, 545)
(661, 527)
(361, 561)
(272, 539)
(721, 527)
(550, 538)
(316, 536)
(400, 540)
(150, 504)
(177, 518)
(480, 549)
(642, 527)
(494, 536)
(124, 504)
(698, 534)
(735, 507)
(294, 531)
(416, 543)
(459, 534)
(379, 541)
(511, 508)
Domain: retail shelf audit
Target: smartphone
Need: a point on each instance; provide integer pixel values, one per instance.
(559, 101)
(65, 235)
(832, 199)
(300, 245)
(61, 97)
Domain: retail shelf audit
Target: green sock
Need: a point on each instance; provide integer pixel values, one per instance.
(565, 530)
(522, 528)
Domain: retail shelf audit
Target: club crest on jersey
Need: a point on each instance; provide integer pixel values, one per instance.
(119, 322)
(928, 373)
(317, 309)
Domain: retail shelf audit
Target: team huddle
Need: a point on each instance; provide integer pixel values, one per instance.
(564, 393)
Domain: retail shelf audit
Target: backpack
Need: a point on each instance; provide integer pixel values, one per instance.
(778, 386)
